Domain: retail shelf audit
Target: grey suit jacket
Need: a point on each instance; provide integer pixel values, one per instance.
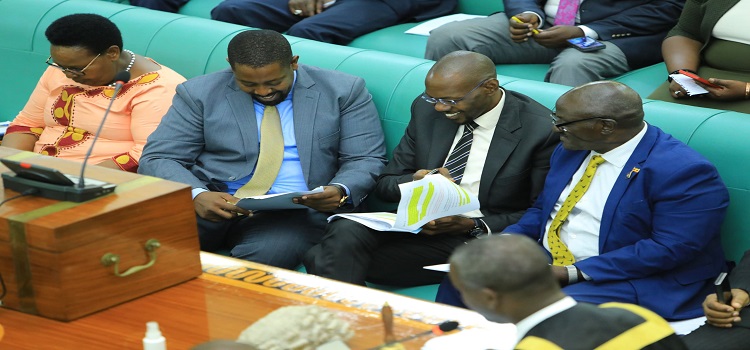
(210, 135)
(517, 159)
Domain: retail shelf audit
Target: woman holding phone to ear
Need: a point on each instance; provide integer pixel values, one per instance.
(712, 40)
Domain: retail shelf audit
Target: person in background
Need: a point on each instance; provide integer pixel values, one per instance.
(712, 40)
(68, 104)
(503, 161)
(631, 31)
(728, 325)
(268, 125)
(506, 278)
(628, 213)
(331, 21)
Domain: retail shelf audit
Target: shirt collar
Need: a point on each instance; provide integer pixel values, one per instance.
(620, 155)
(490, 119)
(525, 325)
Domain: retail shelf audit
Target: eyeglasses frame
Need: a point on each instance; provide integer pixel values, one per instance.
(451, 102)
(77, 72)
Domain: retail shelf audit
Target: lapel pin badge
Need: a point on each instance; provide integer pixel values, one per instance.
(633, 171)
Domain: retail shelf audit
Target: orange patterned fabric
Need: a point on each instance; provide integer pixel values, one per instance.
(64, 116)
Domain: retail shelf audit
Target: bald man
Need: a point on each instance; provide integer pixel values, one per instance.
(507, 162)
(506, 278)
(645, 229)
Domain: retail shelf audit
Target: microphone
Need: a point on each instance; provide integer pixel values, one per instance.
(120, 79)
(437, 329)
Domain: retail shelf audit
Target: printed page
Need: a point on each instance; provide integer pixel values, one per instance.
(275, 201)
(432, 198)
(379, 221)
(689, 84)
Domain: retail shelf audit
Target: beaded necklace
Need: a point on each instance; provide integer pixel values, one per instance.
(130, 65)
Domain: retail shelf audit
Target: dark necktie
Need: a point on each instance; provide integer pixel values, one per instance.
(456, 162)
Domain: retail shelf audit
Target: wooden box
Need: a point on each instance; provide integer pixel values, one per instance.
(52, 252)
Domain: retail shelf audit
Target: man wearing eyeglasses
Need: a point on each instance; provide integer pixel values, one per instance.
(504, 165)
(628, 213)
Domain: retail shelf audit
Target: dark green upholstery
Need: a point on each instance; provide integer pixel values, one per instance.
(194, 46)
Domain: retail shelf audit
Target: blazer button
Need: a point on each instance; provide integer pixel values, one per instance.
(231, 178)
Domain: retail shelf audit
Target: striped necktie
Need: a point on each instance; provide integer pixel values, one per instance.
(561, 256)
(456, 162)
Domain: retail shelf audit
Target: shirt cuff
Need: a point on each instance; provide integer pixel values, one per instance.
(197, 191)
(348, 192)
(589, 32)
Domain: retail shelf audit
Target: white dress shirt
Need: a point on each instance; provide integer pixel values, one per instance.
(525, 325)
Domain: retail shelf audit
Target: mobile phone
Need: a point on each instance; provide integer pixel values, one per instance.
(723, 289)
(586, 44)
(698, 79)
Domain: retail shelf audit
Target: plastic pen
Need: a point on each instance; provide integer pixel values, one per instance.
(433, 171)
(533, 30)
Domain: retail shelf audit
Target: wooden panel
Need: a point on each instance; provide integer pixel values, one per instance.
(229, 296)
(58, 246)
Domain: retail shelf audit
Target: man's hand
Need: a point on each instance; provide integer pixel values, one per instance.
(218, 206)
(729, 90)
(420, 174)
(561, 274)
(448, 225)
(557, 36)
(722, 315)
(326, 201)
(306, 8)
(520, 32)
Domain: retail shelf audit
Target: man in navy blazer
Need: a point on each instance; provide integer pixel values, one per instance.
(209, 139)
(647, 230)
(632, 31)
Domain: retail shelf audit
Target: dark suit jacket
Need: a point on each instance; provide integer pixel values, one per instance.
(637, 27)
(585, 327)
(517, 161)
(659, 229)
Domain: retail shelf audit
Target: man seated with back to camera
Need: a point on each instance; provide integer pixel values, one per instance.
(268, 125)
(506, 278)
(628, 213)
(504, 164)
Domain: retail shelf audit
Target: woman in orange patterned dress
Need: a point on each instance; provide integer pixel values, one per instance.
(69, 101)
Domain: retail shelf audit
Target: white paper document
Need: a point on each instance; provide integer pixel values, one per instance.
(275, 201)
(425, 28)
(438, 267)
(691, 87)
(422, 201)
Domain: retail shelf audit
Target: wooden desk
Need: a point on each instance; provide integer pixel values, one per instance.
(228, 297)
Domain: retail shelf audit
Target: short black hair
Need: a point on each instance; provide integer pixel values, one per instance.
(259, 48)
(90, 31)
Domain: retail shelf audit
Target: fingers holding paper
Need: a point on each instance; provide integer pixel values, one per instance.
(218, 206)
(454, 224)
(326, 201)
(728, 90)
(676, 90)
(420, 174)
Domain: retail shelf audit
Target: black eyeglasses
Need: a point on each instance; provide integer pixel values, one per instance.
(451, 102)
(72, 71)
(562, 126)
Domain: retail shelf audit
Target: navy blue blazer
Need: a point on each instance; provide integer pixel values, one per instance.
(637, 27)
(660, 225)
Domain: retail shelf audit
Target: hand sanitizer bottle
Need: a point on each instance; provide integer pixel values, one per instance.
(153, 339)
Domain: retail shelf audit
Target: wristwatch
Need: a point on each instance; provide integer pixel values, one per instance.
(478, 228)
(342, 192)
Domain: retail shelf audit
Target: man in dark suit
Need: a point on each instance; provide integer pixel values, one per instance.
(727, 325)
(632, 31)
(327, 134)
(506, 165)
(506, 278)
(628, 213)
(331, 21)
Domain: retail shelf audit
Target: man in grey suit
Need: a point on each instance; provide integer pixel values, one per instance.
(505, 166)
(211, 138)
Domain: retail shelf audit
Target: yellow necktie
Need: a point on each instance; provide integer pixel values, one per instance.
(561, 256)
(269, 158)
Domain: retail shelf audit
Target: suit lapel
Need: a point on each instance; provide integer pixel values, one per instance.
(304, 106)
(502, 145)
(443, 133)
(243, 111)
(636, 160)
